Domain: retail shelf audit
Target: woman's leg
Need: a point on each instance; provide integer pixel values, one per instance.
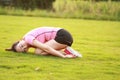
(40, 52)
(52, 43)
(62, 40)
(55, 45)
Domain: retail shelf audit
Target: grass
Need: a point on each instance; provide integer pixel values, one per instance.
(98, 41)
(77, 9)
(87, 9)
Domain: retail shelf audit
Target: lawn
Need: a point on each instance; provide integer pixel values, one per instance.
(98, 41)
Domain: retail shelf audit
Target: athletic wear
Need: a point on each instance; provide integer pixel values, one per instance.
(64, 37)
(44, 34)
(70, 51)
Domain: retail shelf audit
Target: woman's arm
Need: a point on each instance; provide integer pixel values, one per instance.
(47, 49)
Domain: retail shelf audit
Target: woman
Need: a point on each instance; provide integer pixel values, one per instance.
(45, 40)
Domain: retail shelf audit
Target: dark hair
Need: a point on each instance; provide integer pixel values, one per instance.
(13, 47)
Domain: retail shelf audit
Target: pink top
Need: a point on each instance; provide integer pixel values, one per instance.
(42, 34)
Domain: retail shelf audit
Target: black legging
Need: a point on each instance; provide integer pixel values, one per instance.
(64, 37)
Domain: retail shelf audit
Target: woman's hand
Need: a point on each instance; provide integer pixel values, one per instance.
(47, 48)
(70, 56)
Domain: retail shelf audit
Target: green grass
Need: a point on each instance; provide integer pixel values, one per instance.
(77, 9)
(98, 41)
(87, 9)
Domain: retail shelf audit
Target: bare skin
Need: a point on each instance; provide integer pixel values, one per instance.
(22, 46)
(54, 45)
(50, 47)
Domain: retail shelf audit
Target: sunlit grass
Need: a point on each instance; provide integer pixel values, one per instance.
(79, 9)
(98, 41)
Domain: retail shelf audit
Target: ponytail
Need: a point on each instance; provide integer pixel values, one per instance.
(13, 47)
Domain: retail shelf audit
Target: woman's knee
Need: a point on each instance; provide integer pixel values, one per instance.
(40, 52)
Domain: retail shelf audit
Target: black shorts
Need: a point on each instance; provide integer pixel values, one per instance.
(64, 37)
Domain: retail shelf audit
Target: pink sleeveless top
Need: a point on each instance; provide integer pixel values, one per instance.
(42, 34)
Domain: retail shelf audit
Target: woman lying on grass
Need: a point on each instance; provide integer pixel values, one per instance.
(46, 40)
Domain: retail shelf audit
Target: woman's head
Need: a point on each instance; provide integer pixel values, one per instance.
(12, 47)
(19, 46)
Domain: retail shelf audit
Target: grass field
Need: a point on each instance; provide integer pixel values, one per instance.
(98, 41)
